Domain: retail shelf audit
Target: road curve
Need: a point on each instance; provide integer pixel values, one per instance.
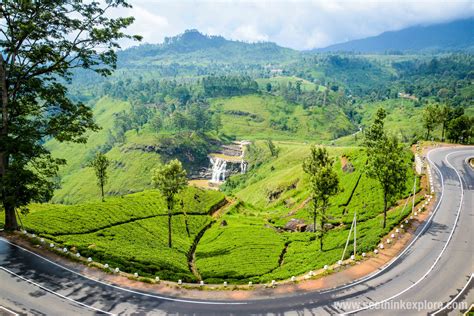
(433, 275)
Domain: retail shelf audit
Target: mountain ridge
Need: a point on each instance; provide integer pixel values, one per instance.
(450, 36)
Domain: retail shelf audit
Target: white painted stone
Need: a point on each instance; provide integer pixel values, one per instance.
(51, 245)
(117, 270)
(250, 283)
(64, 249)
(363, 254)
(352, 257)
(311, 273)
(392, 235)
(416, 213)
(157, 279)
(201, 283)
(89, 259)
(293, 279)
(78, 254)
(381, 246)
(406, 221)
(33, 235)
(135, 275)
(225, 283)
(397, 230)
(388, 241)
(376, 251)
(339, 262)
(42, 240)
(273, 283)
(180, 282)
(106, 266)
(326, 267)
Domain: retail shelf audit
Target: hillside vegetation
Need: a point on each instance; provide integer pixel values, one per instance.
(248, 241)
(129, 232)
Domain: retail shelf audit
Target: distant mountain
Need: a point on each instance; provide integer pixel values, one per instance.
(193, 46)
(452, 36)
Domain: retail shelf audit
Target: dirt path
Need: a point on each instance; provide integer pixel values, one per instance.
(299, 207)
(192, 251)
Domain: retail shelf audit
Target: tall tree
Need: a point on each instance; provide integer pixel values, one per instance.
(444, 114)
(324, 183)
(100, 163)
(170, 179)
(430, 118)
(385, 161)
(42, 41)
(274, 150)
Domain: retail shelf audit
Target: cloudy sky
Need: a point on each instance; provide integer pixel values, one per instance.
(300, 24)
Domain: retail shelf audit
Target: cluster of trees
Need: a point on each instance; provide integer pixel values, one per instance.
(193, 117)
(227, 86)
(447, 79)
(455, 125)
(149, 92)
(385, 163)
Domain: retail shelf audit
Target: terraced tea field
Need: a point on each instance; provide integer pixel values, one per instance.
(245, 241)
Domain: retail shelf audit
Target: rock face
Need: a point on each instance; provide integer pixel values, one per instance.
(296, 225)
(233, 150)
(348, 168)
(227, 161)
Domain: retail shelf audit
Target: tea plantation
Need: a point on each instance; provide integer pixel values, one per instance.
(247, 241)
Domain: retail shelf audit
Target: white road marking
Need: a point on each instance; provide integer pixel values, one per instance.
(125, 289)
(445, 245)
(53, 292)
(326, 291)
(382, 269)
(9, 311)
(456, 297)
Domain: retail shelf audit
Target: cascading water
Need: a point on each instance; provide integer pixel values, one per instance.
(218, 169)
(243, 166)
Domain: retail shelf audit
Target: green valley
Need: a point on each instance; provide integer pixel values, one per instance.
(239, 120)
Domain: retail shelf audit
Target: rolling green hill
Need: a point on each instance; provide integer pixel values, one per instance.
(245, 241)
(268, 116)
(130, 171)
(128, 232)
(193, 45)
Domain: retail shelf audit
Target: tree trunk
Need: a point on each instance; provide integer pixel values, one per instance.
(102, 191)
(322, 231)
(170, 207)
(315, 213)
(11, 222)
(10, 217)
(384, 210)
(442, 131)
(169, 230)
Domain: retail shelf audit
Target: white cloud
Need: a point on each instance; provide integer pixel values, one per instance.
(292, 23)
(248, 33)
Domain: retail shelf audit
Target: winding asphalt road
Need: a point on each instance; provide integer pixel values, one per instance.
(434, 272)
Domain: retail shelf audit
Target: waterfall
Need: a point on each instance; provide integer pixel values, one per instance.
(218, 169)
(243, 166)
